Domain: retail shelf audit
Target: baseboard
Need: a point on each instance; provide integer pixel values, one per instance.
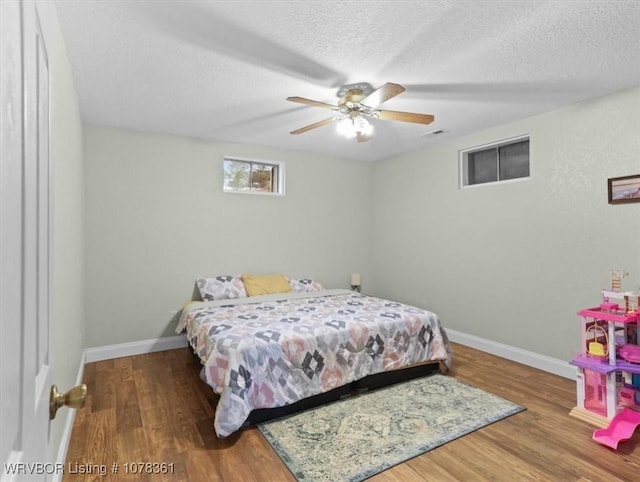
(68, 427)
(542, 362)
(134, 348)
(529, 358)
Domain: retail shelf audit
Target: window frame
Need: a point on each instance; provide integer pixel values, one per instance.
(464, 161)
(280, 177)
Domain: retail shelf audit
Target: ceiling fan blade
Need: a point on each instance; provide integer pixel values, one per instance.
(405, 116)
(313, 126)
(383, 94)
(313, 103)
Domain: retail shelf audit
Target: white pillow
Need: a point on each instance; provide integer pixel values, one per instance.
(304, 285)
(223, 287)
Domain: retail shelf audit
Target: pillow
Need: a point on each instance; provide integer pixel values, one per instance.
(221, 288)
(256, 284)
(304, 285)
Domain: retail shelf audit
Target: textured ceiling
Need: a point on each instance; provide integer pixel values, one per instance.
(222, 70)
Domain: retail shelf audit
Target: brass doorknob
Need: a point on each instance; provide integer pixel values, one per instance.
(74, 398)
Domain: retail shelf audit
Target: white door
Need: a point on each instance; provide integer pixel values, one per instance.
(25, 242)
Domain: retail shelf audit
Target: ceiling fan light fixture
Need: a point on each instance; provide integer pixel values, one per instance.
(357, 109)
(354, 125)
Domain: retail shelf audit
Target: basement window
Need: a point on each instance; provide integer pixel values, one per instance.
(246, 176)
(495, 162)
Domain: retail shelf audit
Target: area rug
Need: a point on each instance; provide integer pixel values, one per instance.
(355, 438)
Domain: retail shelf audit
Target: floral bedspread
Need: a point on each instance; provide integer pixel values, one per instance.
(271, 351)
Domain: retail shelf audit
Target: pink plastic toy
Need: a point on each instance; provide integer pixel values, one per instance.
(631, 353)
(620, 429)
(610, 349)
(595, 392)
(629, 397)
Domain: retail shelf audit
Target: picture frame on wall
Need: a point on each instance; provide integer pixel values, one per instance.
(624, 189)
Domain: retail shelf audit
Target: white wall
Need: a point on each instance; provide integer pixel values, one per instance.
(511, 262)
(156, 218)
(68, 201)
(514, 262)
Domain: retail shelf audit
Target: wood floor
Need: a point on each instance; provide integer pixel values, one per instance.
(154, 408)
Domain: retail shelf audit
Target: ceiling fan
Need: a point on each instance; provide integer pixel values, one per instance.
(357, 107)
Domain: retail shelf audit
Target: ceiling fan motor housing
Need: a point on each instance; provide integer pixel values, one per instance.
(364, 87)
(353, 96)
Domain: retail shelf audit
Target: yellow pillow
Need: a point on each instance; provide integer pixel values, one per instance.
(257, 284)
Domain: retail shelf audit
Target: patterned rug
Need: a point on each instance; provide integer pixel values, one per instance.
(361, 436)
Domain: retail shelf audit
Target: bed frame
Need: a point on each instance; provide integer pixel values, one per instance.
(370, 382)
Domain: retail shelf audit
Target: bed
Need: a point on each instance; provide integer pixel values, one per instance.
(278, 350)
